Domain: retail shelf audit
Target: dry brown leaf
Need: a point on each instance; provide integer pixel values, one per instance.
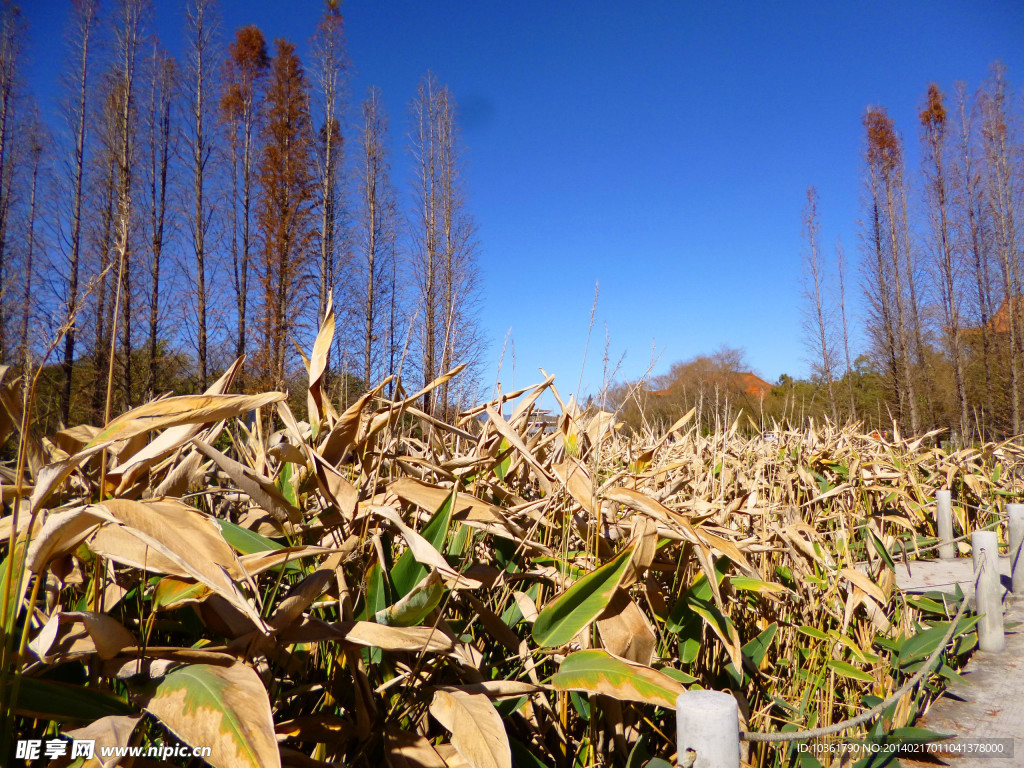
(476, 727)
(260, 489)
(625, 630)
(108, 733)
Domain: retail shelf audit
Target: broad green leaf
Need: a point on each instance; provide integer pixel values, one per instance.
(408, 572)
(881, 550)
(681, 617)
(172, 593)
(225, 708)
(284, 483)
(581, 705)
(17, 571)
(244, 541)
(657, 762)
(61, 702)
(411, 609)
(501, 469)
(523, 757)
(378, 595)
(756, 649)
(921, 645)
(850, 671)
(677, 675)
(597, 671)
(817, 634)
(564, 617)
(917, 735)
(928, 605)
(750, 584)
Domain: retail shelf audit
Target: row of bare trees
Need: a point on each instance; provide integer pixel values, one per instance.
(941, 267)
(178, 212)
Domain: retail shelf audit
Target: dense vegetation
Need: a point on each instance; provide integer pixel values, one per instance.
(380, 584)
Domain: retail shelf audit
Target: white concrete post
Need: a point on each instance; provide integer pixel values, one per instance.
(1016, 513)
(944, 523)
(708, 729)
(988, 591)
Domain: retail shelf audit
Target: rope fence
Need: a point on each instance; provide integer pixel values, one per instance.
(879, 708)
(708, 721)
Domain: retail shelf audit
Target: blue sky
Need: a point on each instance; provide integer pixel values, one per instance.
(660, 149)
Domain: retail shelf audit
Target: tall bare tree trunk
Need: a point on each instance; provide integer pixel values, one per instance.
(376, 235)
(969, 215)
(161, 101)
(35, 153)
(933, 122)
(841, 267)
(128, 32)
(1002, 178)
(331, 70)
(11, 37)
(425, 152)
(200, 31)
(813, 294)
(85, 18)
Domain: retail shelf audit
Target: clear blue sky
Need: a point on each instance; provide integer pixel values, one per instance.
(661, 149)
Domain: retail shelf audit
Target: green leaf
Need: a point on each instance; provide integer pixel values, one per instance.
(501, 469)
(284, 483)
(927, 605)
(50, 700)
(411, 609)
(881, 549)
(564, 617)
(657, 762)
(597, 671)
(756, 649)
(681, 617)
(408, 572)
(171, 592)
(581, 705)
(677, 675)
(225, 708)
(917, 735)
(523, 757)
(850, 671)
(817, 634)
(244, 541)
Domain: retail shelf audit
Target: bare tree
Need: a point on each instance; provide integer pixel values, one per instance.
(128, 33)
(444, 263)
(201, 30)
(103, 243)
(1002, 179)
(331, 68)
(888, 242)
(35, 152)
(937, 199)
(841, 269)
(12, 33)
(241, 107)
(376, 243)
(163, 73)
(84, 23)
(814, 287)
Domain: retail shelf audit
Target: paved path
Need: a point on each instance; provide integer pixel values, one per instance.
(992, 706)
(942, 575)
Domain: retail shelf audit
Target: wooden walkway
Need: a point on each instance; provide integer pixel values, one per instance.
(990, 703)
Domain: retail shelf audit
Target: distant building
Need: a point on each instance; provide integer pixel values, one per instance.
(999, 323)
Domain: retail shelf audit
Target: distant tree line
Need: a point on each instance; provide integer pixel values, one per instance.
(185, 211)
(940, 272)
